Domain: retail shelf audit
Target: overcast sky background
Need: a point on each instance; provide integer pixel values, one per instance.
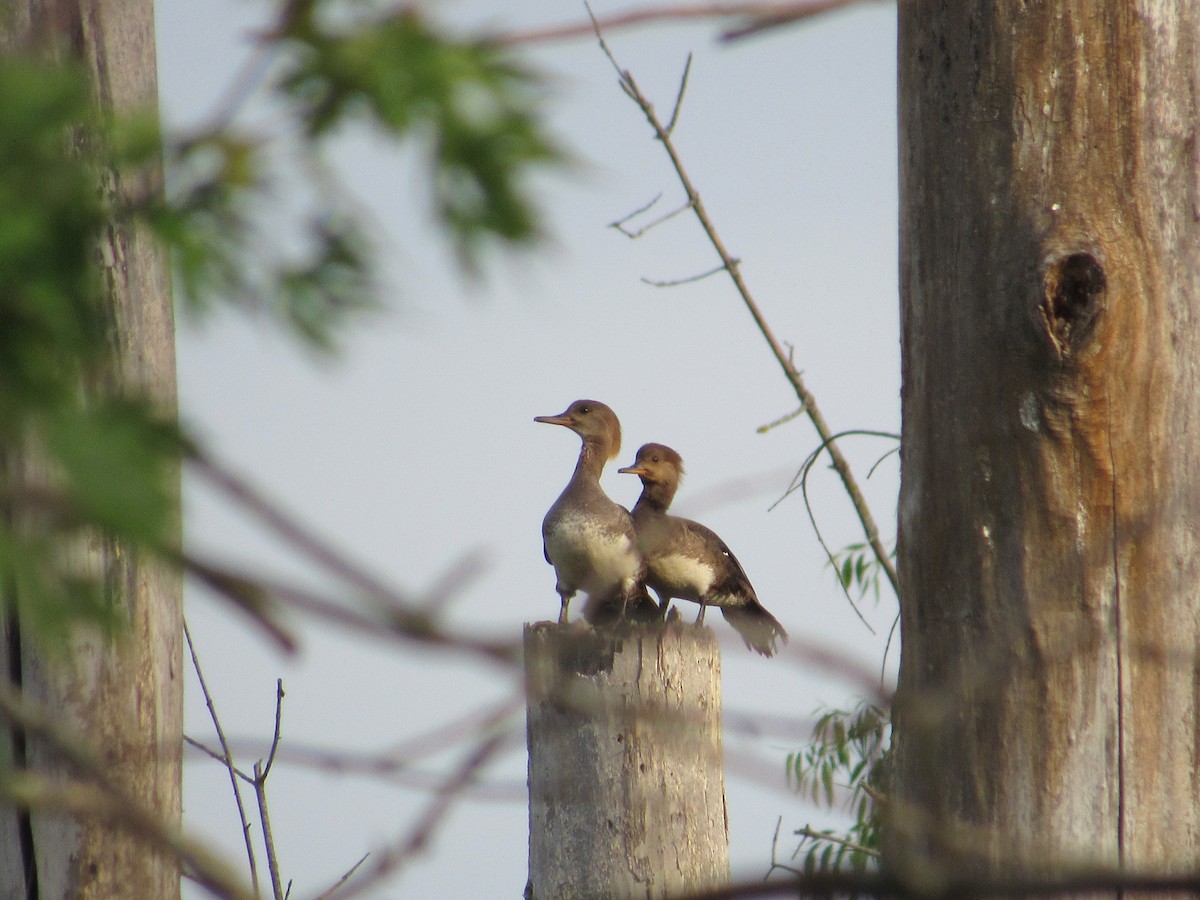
(417, 446)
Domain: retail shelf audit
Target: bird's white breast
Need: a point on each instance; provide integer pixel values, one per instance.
(593, 559)
(683, 573)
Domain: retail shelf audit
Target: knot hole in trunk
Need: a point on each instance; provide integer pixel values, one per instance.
(1072, 297)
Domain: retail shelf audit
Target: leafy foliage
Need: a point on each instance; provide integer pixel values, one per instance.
(857, 567)
(470, 103)
(73, 458)
(849, 751)
(82, 461)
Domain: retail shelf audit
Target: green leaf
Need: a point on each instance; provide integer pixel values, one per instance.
(117, 460)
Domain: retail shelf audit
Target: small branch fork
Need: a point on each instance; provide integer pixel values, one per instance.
(731, 265)
(93, 793)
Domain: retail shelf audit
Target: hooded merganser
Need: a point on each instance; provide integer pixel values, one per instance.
(589, 539)
(687, 561)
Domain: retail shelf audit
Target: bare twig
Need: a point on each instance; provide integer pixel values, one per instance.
(279, 695)
(775, 863)
(100, 796)
(683, 81)
(260, 793)
(637, 212)
(619, 225)
(324, 895)
(815, 835)
(689, 280)
(782, 420)
(439, 806)
(729, 263)
(396, 615)
(225, 757)
(406, 622)
(801, 481)
(755, 16)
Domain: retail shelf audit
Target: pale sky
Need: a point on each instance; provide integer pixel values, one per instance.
(417, 446)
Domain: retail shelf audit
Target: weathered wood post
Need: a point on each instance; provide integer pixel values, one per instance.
(124, 696)
(1048, 711)
(626, 789)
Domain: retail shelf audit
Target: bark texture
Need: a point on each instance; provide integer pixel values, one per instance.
(626, 789)
(125, 697)
(1050, 493)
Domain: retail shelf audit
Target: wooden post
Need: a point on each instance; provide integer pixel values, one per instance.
(125, 697)
(1050, 493)
(626, 789)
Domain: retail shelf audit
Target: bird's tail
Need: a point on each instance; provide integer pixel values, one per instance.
(758, 628)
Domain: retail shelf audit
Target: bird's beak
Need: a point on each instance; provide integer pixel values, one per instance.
(632, 470)
(561, 419)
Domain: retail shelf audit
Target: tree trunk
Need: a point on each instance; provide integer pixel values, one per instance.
(1050, 493)
(125, 697)
(626, 790)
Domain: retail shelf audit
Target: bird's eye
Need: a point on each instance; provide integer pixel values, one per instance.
(654, 459)
(585, 409)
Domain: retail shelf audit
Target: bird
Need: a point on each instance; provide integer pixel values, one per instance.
(687, 561)
(589, 539)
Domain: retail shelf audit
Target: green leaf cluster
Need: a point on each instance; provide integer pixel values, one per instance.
(79, 463)
(225, 254)
(466, 99)
(849, 753)
(857, 567)
(82, 462)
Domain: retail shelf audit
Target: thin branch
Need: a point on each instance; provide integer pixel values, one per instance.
(397, 615)
(809, 462)
(324, 895)
(279, 695)
(683, 82)
(619, 225)
(260, 793)
(399, 622)
(689, 280)
(101, 796)
(439, 806)
(782, 420)
(775, 863)
(834, 839)
(225, 757)
(637, 212)
(807, 400)
(756, 15)
(894, 451)
(887, 647)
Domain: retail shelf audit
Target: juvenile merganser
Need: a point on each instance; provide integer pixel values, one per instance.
(687, 561)
(589, 539)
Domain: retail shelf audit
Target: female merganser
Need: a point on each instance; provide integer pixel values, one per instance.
(588, 538)
(687, 561)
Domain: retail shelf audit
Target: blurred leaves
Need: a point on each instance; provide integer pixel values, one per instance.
(857, 567)
(82, 464)
(848, 757)
(76, 467)
(466, 100)
(50, 321)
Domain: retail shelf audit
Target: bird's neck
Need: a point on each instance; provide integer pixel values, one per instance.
(656, 496)
(592, 458)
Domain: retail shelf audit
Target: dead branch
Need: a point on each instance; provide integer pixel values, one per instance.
(99, 795)
(225, 757)
(753, 18)
(729, 263)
